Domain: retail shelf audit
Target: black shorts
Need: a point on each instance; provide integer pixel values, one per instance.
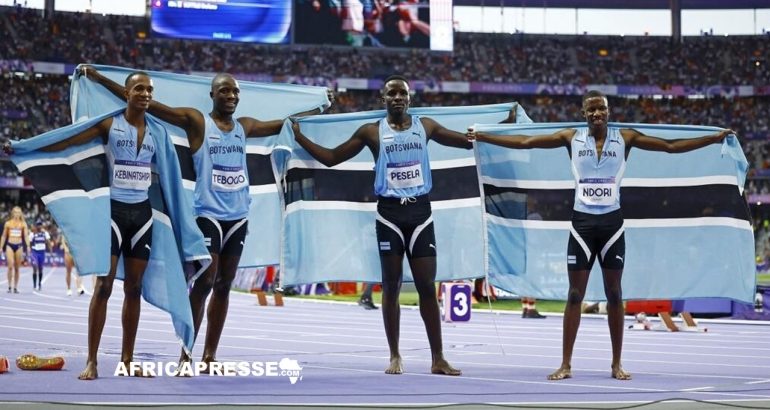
(223, 237)
(131, 229)
(16, 246)
(596, 235)
(405, 225)
(38, 259)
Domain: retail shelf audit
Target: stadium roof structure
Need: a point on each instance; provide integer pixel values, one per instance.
(621, 4)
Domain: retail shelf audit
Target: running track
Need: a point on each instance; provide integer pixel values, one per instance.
(342, 351)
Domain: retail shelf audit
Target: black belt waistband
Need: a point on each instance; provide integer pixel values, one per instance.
(387, 200)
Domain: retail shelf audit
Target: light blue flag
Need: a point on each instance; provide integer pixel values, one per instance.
(329, 221)
(257, 100)
(687, 226)
(74, 186)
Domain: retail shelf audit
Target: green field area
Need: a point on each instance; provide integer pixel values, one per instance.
(410, 299)
(764, 279)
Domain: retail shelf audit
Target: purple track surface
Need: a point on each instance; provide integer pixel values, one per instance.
(342, 351)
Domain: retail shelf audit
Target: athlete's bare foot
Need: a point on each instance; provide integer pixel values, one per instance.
(184, 359)
(564, 372)
(619, 373)
(136, 372)
(207, 360)
(441, 366)
(396, 366)
(89, 373)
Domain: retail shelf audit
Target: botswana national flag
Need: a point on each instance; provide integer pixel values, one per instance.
(74, 186)
(257, 100)
(688, 228)
(330, 212)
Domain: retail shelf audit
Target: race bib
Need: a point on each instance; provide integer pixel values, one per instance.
(15, 233)
(37, 246)
(132, 175)
(597, 191)
(404, 175)
(228, 179)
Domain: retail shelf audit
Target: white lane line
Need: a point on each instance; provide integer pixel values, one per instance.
(336, 335)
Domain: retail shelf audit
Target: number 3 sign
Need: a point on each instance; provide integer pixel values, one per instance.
(457, 302)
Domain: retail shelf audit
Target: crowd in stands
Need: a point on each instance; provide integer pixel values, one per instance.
(522, 58)
(44, 102)
(33, 104)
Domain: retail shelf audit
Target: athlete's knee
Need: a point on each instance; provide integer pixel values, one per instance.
(574, 296)
(103, 289)
(202, 286)
(425, 288)
(222, 285)
(132, 290)
(391, 286)
(614, 296)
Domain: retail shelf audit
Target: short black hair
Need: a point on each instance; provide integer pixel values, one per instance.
(593, 94)
(134, 74)
(219, 77)
(396, 77)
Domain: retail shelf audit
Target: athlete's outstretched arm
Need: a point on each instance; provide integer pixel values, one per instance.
(4, 236)
(343, 152)
(443, 135)
(25, 237)
(255, 128)
(93, 74)
(558, 139)
(189, 119)
(636, 139)
(101, 129)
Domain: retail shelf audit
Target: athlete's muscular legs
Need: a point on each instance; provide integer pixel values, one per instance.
(392, 275)
(200, 291)
(9, 256)
(218, 305)
(615, 315)
(17, 259)
(578, 280)
(132, 290)
(68, 264)
(97, 314)
(424, 272)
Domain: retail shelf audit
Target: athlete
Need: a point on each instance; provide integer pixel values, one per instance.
(598, 155)
(221, 198)
(40, 242)
(130, 151)
(69, 263)
(15, 242)
(404, 223)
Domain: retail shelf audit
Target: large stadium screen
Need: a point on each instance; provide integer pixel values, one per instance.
(254, 21)
(375, 23)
